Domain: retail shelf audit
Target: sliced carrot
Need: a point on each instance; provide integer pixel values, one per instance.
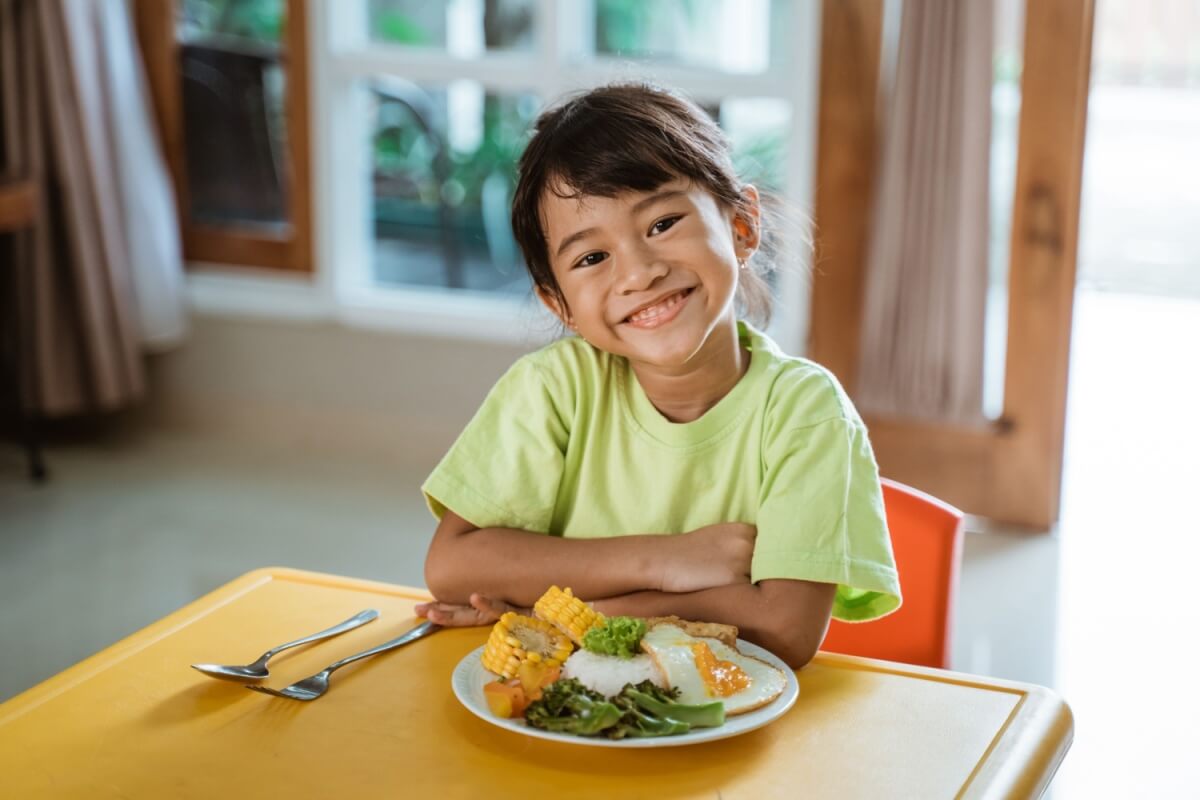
(520, 700)
(536, 676)
(499, 698)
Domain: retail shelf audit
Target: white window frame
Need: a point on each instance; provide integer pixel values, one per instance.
(341, 58)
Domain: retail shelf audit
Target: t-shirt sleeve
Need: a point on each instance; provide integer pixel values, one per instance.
(821, 518)
(504, 469)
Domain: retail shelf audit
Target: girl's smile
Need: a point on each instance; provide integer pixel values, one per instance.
(652, 276)
(659, 312)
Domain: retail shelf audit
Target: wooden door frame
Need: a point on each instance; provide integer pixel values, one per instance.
(1011, 469)
(289, 249)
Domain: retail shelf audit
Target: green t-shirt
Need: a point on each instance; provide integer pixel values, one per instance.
(568, 444)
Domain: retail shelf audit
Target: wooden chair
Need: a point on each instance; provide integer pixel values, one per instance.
(18, 212)
(927, 537)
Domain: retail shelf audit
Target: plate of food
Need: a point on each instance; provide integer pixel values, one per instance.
(569, 674)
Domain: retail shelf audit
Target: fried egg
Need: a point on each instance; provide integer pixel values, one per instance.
(706, 669)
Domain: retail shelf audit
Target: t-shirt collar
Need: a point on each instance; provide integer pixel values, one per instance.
(728, 410)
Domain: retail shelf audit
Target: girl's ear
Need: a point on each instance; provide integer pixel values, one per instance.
(747, 223)
(557, 307)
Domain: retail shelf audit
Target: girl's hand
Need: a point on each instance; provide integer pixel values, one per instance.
(481, 611)
(708, 557)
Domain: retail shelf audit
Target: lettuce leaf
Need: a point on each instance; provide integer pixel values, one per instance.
(618, 636)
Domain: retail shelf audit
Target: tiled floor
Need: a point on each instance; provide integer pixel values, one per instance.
(140, 522)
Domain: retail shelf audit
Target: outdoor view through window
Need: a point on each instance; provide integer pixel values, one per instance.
(444, 155)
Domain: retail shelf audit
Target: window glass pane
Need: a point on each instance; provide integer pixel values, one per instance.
(254, 20)
(443, 177)
(1138, 231)
(757, 129)
(235, 133)
(444, 167)
(729, 35)
(462, 27)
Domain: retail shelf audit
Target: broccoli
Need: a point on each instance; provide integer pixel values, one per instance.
(661, 703)
(567, 706)
(637, 723)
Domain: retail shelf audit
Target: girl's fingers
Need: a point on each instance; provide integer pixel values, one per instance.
(451, 615)
(428, 609)
(483, 610)
(487, 607)
(497, 608)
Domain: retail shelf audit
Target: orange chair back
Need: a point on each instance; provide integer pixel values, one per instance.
(927, 543)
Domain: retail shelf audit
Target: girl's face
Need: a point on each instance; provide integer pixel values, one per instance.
(647, 275)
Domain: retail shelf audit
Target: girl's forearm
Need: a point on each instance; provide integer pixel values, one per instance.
(787, 617)
(516, 566)
(513, 565)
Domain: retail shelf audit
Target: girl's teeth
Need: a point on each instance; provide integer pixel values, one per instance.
(654, 311)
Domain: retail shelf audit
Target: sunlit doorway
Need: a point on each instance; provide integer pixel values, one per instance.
(1129, 525)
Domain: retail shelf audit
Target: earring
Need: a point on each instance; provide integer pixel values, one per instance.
(741, 263)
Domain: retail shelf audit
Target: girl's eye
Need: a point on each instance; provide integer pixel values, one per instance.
(591, 259)
(664, 224)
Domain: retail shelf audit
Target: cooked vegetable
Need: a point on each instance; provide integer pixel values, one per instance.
(567, 706)
(567, 612)
(537, 675)
(617, 636)
(517, 639)
(505, 698)
(636, 723)
(661, 703)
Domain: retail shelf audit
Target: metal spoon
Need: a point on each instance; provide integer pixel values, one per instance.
(258, 670)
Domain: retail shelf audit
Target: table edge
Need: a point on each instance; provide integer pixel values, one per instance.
(1037, 734)
(142, 638)
(1026, 753)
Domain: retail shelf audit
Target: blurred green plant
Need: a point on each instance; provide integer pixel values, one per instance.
(759, 160)
(260, 20)
(623, 26)
(396, 27)
(405, 153)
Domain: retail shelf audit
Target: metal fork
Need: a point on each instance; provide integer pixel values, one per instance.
(313, 687)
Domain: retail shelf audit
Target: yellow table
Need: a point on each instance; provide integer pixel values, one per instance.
(134, 721)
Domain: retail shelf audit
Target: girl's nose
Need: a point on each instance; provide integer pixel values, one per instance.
(638, 271)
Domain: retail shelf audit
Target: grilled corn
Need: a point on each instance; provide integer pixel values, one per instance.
(567, 612)
(517, 639)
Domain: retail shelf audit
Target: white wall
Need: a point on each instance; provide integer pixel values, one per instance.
(388, 396)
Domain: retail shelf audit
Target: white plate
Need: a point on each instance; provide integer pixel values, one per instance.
(470, 676)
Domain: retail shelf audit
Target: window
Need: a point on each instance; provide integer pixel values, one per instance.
(233, 78)
(423, 107)
(1143, 125)
(230, 85)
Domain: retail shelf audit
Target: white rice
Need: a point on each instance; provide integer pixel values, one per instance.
(609, 674)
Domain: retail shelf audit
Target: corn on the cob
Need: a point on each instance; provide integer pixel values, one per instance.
(567, 612)
(516, 639)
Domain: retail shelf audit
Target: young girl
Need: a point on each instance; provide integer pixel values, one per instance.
(668, 458)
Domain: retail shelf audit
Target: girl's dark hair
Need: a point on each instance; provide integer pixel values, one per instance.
(619, 138)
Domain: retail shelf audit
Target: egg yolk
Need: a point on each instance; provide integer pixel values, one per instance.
(722, 678)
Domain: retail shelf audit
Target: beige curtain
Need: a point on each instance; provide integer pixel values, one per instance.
(922, 348)
(99, 277)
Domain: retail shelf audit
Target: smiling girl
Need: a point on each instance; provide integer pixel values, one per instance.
(667, 458)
